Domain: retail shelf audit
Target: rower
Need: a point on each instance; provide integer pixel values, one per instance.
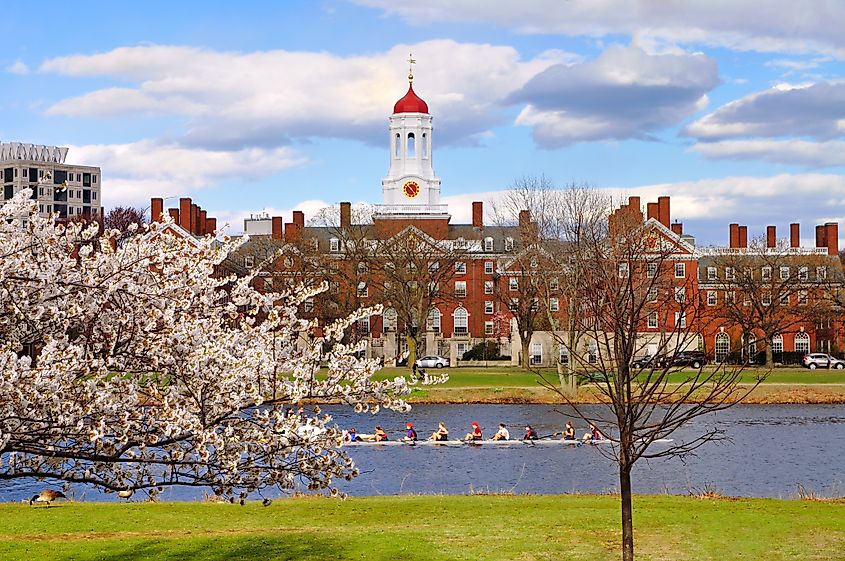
(410, 433)
(569, 432)
(502, 433)
(380, 435)
(352, 435)
(530, 433)
(594, 434)
(475, 434)
(441, 434)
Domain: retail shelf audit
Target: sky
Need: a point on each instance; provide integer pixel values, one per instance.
(734, 108)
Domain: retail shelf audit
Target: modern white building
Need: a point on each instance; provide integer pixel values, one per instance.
(65, 189)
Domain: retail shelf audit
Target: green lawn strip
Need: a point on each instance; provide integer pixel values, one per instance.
(486, 527)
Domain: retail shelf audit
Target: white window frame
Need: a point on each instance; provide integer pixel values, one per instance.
(784, 273)
(651, 270)
(488, 267)
(680, 294)
(680, 270)
(363, 290)
(802, 297)
(766, 298)
(652, 294)
(554, 283)
(766, 273)
(488, 327)
(460, 289)
(488, 306)
(508, 244)
(364, 325)
(680, 320)
(821, 273)
(712, 298)
(334, 245)
(249, 261)
(389, 319)
(711, 273)
(803, 273)
(729, 273)
(623, 270)
(308, 305)
(513, 284)
(488, 287)
(653, 320)
(536, 353)
(488, 244)
(432, 323)
(460, 267)
(461, 320)
(554, 304)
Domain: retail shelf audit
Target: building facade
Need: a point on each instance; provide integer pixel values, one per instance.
(446, 287)
(65, 189)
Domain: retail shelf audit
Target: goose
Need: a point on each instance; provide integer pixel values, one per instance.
(47, 496)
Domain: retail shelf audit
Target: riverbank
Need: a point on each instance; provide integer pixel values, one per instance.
(483, 527)
(500, 385)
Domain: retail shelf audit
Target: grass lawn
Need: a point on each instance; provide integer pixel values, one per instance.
(504, 384)
(495, 527)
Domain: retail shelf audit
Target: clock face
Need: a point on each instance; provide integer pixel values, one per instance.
(411, 189)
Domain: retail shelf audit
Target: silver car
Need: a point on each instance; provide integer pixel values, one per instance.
(821, 360)
(432, 361)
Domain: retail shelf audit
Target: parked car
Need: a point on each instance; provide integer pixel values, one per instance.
(432, 361)
(648, 361)
(696, 359)
(821, 360)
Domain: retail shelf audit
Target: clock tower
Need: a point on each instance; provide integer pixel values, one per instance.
(411, 188)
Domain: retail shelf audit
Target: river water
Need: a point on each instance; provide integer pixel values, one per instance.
(773, 450)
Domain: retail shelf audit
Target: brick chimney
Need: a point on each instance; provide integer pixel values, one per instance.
(278, 228)
(734, 237)
(832, 238)
(635, 209)
(174, 214)
(345, 215)
(771, 236)
(292, 231)
(652, 211)
(524, 218)
(794, 235)
(821, 236)
(195, 217)
(185, 213)
(299, 218)
(663, 210)
(478, 214)
(678, 228)
(210, 225)
(743, 236)
(156, 208)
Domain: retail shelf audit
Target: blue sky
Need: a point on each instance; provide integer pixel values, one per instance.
(735, 109)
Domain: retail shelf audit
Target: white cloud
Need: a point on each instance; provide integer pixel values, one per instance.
(18, 67)
(624, 93)
(815, 110)
(132, 173)
(750, 25)
(268, 97)
(794, 152)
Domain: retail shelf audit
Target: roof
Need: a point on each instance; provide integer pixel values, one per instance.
(411, 103)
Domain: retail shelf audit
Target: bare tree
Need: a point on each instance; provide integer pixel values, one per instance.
(767, 291)
(638, 291)
(120, 218)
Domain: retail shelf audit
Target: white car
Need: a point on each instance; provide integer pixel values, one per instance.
(433, 361)
(821, 360)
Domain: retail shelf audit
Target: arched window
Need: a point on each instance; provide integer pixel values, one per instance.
(749, 347)
(389, 317)
(424, 146)
(723, 346)
(461, 318)
(777, 344)
(802, 343)
(397, 146)
(411, 151)
(433, 322)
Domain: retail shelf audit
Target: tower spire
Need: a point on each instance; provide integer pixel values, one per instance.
(411, 62)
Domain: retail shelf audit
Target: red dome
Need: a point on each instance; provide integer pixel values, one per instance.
(411, 103)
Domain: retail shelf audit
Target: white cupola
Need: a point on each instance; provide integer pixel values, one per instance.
(411, 185)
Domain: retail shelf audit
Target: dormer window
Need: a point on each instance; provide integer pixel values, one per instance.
(249, 261)
(488, 244)
(508, 244)
(334, 245)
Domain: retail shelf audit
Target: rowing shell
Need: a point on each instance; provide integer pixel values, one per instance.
(492, 443)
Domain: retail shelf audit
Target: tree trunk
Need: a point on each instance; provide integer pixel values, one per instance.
(526, 359)
(412, 350)
(627, 512)
(770, 359)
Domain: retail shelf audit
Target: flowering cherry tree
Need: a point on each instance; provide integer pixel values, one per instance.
(149, 370)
